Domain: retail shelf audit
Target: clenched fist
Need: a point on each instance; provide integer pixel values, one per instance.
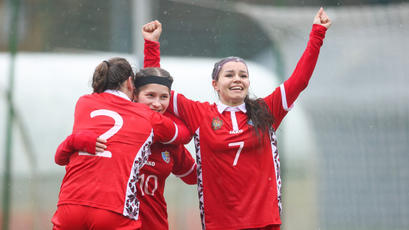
(321, 18)
(152, 30)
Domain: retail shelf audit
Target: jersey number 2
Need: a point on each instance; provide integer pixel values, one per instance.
(241, 145)
(110, 132)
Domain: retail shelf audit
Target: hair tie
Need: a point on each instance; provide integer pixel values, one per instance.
(106, 62)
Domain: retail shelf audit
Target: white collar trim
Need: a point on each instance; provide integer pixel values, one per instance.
(222, 107)
(117, 93)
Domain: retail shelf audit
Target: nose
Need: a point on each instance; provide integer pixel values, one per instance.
(236, 78)
(156, 103)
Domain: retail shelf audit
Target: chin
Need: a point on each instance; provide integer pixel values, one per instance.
(237, 100)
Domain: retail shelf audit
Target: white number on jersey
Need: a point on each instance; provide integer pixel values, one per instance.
(110, 132)
(240, 144)
(144, 185)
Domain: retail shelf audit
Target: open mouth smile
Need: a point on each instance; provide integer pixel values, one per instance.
(236, 88)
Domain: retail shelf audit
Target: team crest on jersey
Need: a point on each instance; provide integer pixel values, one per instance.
(216, 123)
(166, 156)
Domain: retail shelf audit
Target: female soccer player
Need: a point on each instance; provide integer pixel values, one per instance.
(99, 190)
(153, 89)
(237, 159)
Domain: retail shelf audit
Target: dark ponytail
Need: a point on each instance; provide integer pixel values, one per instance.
(259, 115)
(111, 74)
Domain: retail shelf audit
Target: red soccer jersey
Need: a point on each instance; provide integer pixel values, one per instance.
(108, 180)
(165, 159)
(239, 174)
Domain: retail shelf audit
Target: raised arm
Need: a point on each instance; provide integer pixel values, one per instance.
(283, 98)
(151, 33)
(306, 65)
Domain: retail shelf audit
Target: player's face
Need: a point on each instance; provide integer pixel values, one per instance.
(233, 83)
(156, 96)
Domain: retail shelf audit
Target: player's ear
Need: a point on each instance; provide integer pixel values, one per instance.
(215, 87)
(129, 88)
(129, 84)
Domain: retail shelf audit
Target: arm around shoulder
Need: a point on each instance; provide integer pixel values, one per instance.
(168, 132)
(81, 141)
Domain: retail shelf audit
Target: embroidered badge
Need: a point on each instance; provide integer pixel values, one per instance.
(166, 156)
(216, 123)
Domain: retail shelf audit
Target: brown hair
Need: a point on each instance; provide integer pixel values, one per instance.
(111, 74)
(257, 110)
(152, 71)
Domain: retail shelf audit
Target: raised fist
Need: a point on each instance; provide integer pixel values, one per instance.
(152, 30)
(321, 18)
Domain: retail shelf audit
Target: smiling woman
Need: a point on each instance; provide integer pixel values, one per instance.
(233, 83)
(156, 94)
(238, 165)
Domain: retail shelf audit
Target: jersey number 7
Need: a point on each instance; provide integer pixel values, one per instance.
(241, 145)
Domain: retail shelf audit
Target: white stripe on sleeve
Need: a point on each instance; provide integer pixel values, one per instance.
(175, 103)
(174, 137)
(188, 172)
(284, 99)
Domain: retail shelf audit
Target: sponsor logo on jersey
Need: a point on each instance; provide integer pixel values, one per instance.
(236, 131)
(150, 163)
(216, 123)
(166, 156)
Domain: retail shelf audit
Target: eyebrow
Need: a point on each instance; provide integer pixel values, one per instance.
(240, 71)
(153, 91)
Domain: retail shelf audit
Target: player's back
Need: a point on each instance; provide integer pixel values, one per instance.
(108, 180)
